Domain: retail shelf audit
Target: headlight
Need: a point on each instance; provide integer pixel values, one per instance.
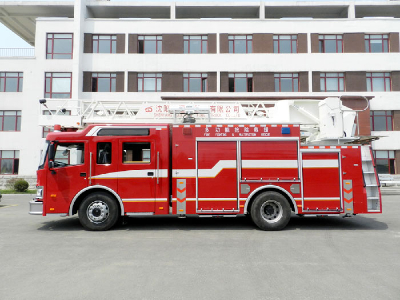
(39, 192)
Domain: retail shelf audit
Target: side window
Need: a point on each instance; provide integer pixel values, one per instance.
(136, 153)
(103, 153)
(69, 154)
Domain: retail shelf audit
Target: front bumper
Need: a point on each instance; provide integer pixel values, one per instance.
(35, 207)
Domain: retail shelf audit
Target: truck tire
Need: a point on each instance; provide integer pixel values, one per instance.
(270, 211)
(98, 211)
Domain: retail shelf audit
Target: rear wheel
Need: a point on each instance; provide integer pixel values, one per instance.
(270, 211)
(98, 211)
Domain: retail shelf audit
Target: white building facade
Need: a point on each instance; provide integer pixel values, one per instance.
(144, 51)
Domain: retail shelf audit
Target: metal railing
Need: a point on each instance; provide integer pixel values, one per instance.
(17, 52)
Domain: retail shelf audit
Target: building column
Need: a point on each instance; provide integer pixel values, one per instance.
(351, 13)
(262, 10)
(77, 70)
(173, 11)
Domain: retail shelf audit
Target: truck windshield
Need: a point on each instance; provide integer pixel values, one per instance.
(43, 154)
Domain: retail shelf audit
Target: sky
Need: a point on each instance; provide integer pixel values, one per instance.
(10, 40)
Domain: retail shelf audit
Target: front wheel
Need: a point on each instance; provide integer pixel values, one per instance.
(98, 211)
(270, 211)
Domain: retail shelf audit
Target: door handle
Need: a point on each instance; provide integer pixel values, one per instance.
(150, 173)
(83, 174)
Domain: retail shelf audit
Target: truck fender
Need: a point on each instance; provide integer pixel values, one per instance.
(271, 187)
(97, 187)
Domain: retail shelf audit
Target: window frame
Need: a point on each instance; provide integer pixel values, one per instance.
(293, 76)
(384, 38)
(239, 37)
(137, 147)
(203, 82)
(157, 82)
(240, 75)
(277, 38)
(390, 159)
(386, 114)
(338, 75)
(322, 38)
(387, 81)
(67, 146)
(51, 77)
(51, 37)
(17, 123)
(15, 162)
(203, 40)
(9, 75)
(158, 41)
(112, 41)
(112, 76)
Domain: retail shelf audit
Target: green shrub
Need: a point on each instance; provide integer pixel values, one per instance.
(21, 185)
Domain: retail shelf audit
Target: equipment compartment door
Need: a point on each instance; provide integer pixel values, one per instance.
(321, 181)
(217, 176)
(270, 160)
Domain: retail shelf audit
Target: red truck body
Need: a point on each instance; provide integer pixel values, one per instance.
(200, 169)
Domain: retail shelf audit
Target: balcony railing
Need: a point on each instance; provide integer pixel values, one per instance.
(17, 52)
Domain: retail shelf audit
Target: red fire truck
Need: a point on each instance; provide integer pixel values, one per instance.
(107, 171)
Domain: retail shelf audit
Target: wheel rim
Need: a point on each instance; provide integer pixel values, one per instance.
(271, 211)
(98, 212)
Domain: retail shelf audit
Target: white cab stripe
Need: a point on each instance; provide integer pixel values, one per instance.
(163, 173)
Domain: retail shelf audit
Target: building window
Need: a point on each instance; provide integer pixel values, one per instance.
(104, 43)
(46, 130)
(286, 82)
(240, 82)
(150, 44)
(195, 82)
(378, 82)
(376, 43)
(59, 46)
(104, 82)
(11, 82)
(9, 161)
(330, 43)
(332, 82)
(58, 85)
(195, 44)
(285, 43)
(240, 43)
(381, 120)
(10, 120)
(384, 161)
(149, 82)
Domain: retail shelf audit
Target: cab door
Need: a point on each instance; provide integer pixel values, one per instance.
(137, 174)
(68, 177)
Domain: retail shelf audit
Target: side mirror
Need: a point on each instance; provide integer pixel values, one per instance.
(51, 152)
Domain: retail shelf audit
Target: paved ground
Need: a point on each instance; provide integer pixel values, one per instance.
(168, 258)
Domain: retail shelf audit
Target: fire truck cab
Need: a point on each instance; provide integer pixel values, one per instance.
(106, 171)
